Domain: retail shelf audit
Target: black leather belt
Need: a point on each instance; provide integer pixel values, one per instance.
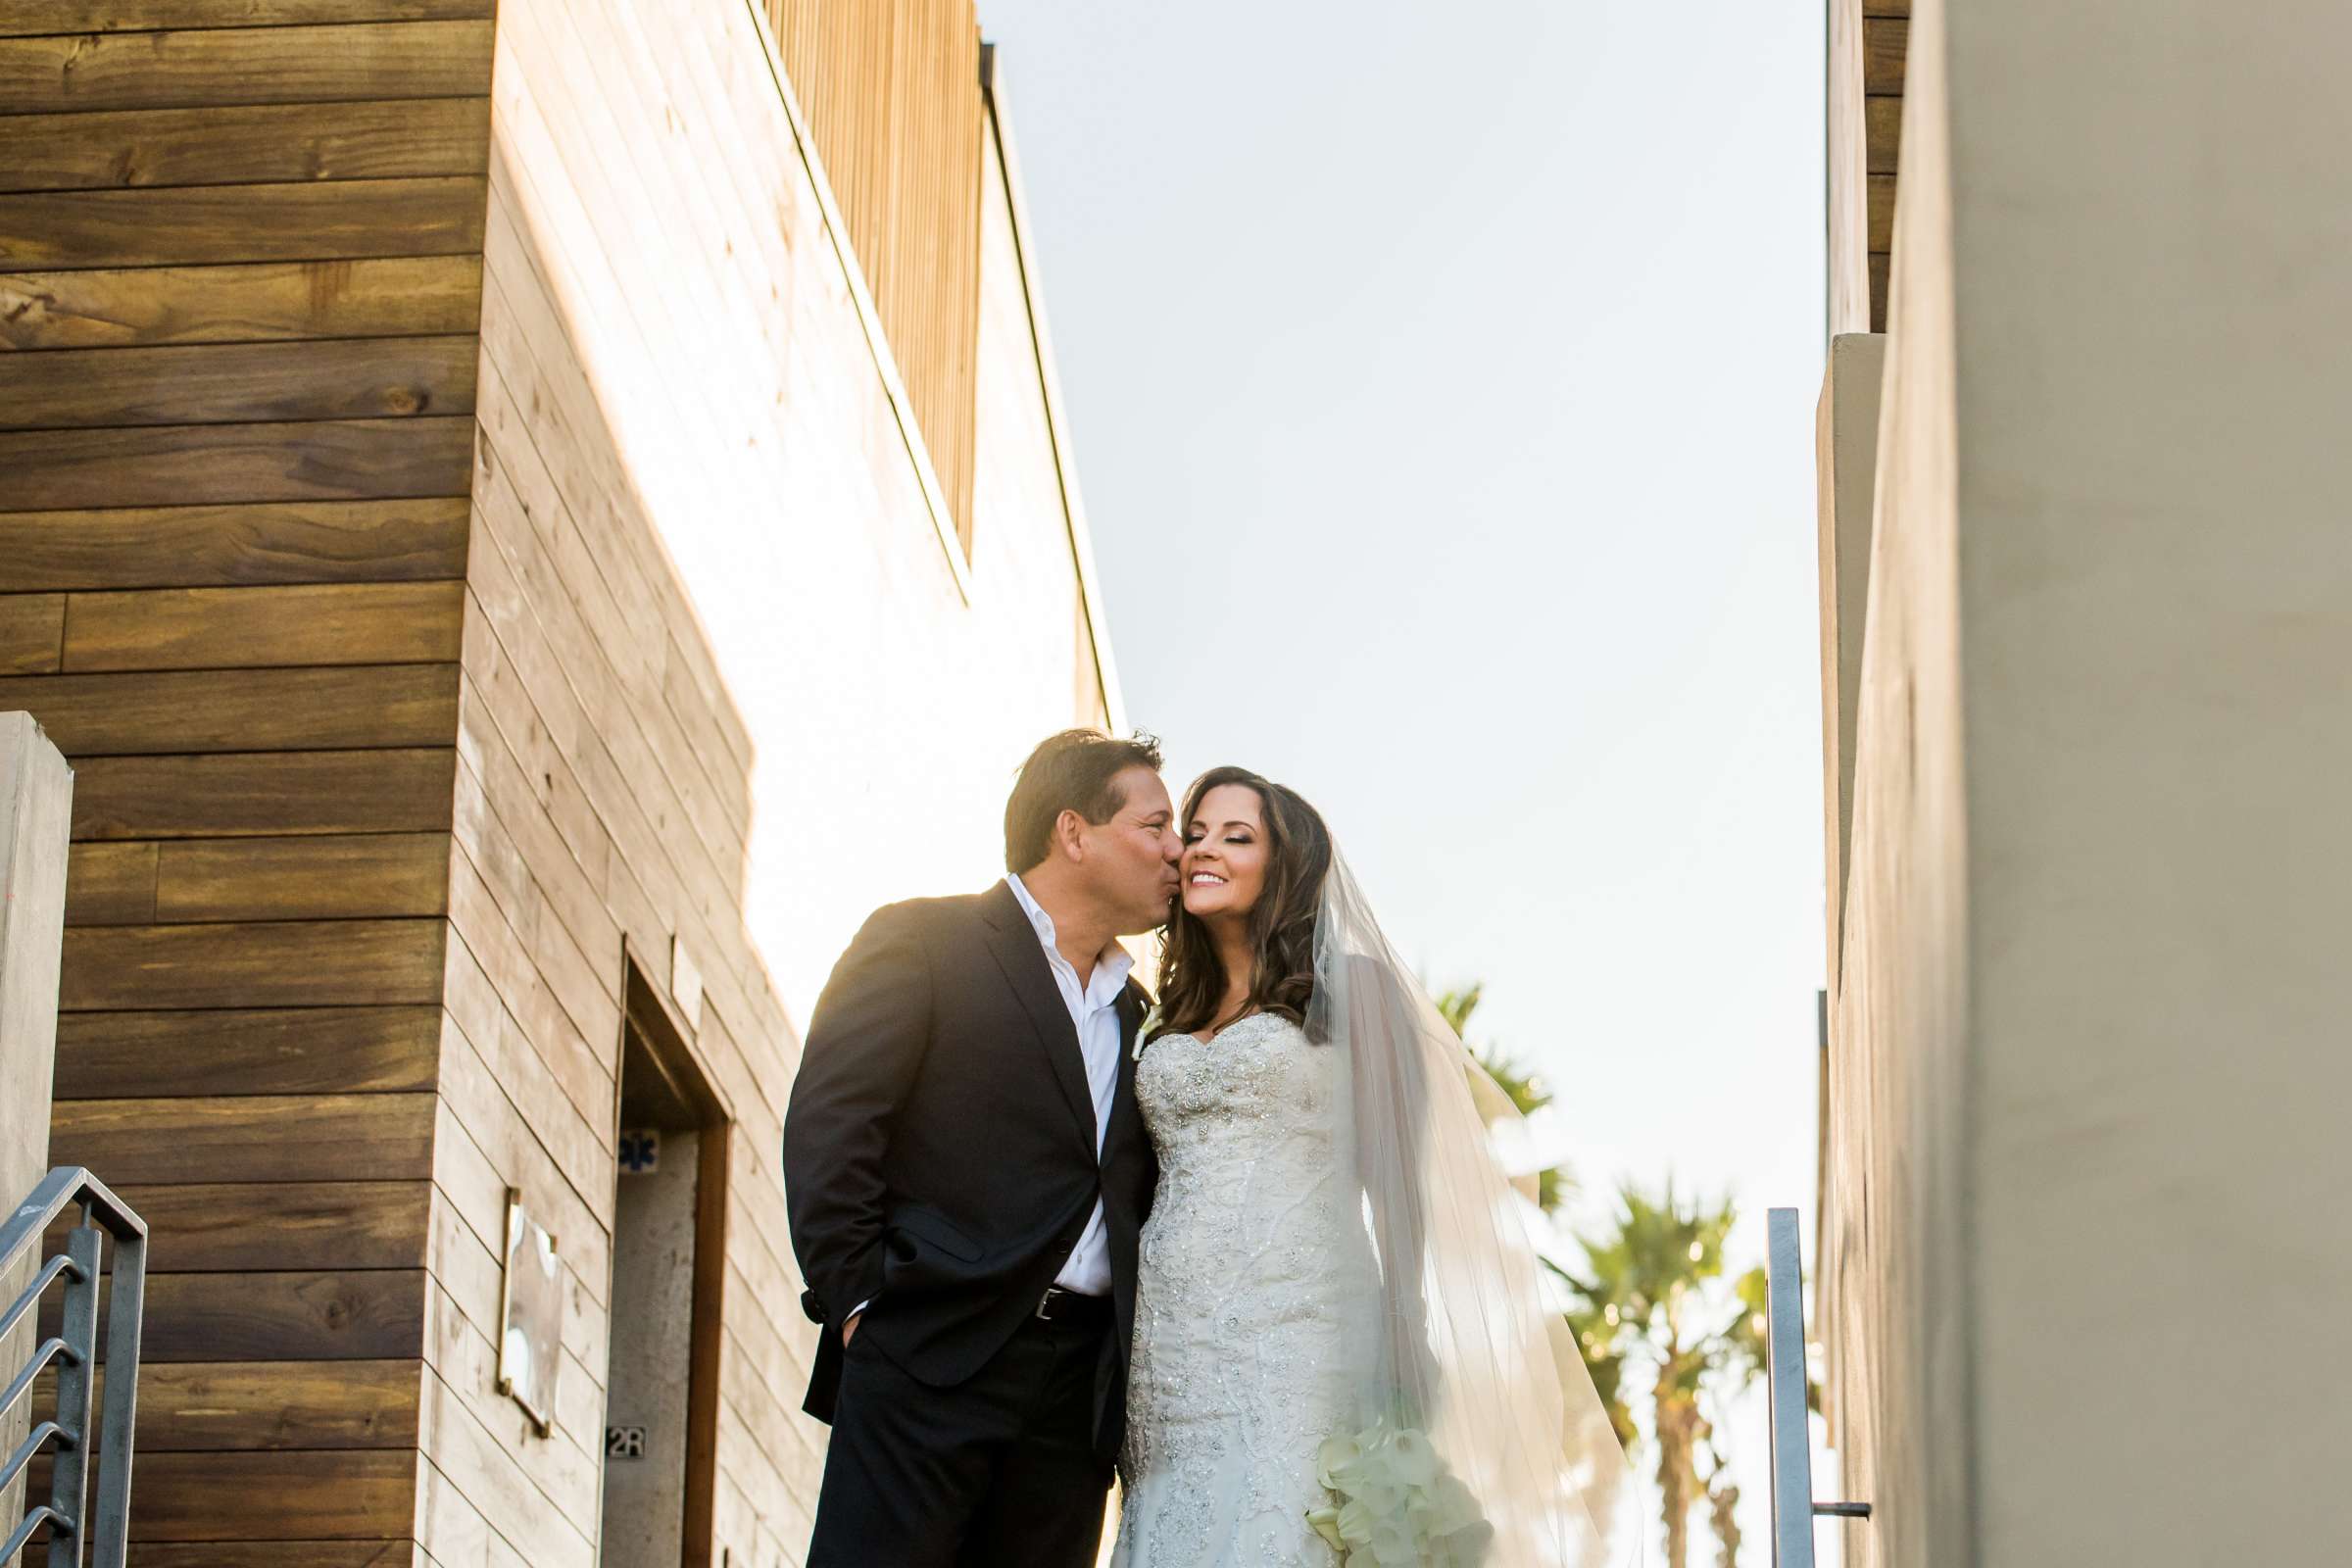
(1069, 1309)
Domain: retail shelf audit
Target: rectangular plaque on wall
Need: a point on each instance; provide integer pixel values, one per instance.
(532, 1314)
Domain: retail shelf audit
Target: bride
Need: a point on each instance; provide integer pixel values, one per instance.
(1341, 1354)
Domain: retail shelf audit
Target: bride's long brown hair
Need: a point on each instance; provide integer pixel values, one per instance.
(1282, 923)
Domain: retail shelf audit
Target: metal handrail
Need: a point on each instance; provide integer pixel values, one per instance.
(41, 1514)
(1793, 1507)
(52, 1349)
(73, 1348)
(60, 1264)
(33, 1443)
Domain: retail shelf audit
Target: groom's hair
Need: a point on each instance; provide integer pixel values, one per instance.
(1076, 771)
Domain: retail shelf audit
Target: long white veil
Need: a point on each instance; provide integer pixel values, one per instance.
(1461, 1348)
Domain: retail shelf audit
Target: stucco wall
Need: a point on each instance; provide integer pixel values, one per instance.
(36, 793)
(2088, 1084)
(2152, 218)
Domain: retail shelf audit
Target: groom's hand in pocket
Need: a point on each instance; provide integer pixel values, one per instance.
(848, 1330)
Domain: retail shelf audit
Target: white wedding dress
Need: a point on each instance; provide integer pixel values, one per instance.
(1256, 1277)
(1336, 1253)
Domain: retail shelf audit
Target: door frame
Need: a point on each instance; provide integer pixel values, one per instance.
(668, 1044)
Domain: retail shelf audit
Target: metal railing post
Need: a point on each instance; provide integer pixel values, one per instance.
(1784, 1379)
(74, 1517)
(69, 1471)
(110, 1517)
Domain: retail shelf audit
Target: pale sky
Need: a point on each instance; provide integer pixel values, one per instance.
(1441, 383)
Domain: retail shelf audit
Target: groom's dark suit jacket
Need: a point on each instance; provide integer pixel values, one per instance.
(939, 1150)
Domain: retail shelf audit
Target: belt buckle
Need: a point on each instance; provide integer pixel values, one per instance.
(1042, 1302)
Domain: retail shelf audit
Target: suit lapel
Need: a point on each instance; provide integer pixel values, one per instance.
(1013, 943)
(1131, 1024)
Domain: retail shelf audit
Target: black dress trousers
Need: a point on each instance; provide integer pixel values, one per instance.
(997, 1472)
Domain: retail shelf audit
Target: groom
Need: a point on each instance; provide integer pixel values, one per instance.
(967, 1174)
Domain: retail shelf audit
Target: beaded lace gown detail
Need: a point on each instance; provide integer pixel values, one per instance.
(1253, 1262)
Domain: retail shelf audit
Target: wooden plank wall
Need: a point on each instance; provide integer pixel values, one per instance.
(892, 92)
(658, 296)
(1885, 42)
(602, 789)
(239, 302)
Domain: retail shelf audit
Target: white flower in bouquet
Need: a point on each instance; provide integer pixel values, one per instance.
(1452, 1507)
(1394, 1503)
(1411, 1458)
(1336, 1455)
(1392, 1547)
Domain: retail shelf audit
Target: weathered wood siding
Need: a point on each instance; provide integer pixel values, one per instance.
(239, 287)
(602, 791)
(690, 482)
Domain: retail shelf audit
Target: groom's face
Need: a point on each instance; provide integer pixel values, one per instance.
(1131, 860)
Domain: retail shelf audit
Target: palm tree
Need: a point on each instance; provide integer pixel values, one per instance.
(1457, 1004)
(1656, 1297)
(1737, 1362)
(1655, 1300)
(1527, 1091)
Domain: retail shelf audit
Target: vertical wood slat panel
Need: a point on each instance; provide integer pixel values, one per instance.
(892, 93)
(1885, 49)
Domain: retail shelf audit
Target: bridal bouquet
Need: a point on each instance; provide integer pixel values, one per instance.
(1394, 1503)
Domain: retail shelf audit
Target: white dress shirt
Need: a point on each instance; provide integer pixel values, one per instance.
(1095, 1012)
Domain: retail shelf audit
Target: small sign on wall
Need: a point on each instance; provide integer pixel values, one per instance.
(530, 1340)
(624, 1442)
(640, 1152)
(685, 983)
